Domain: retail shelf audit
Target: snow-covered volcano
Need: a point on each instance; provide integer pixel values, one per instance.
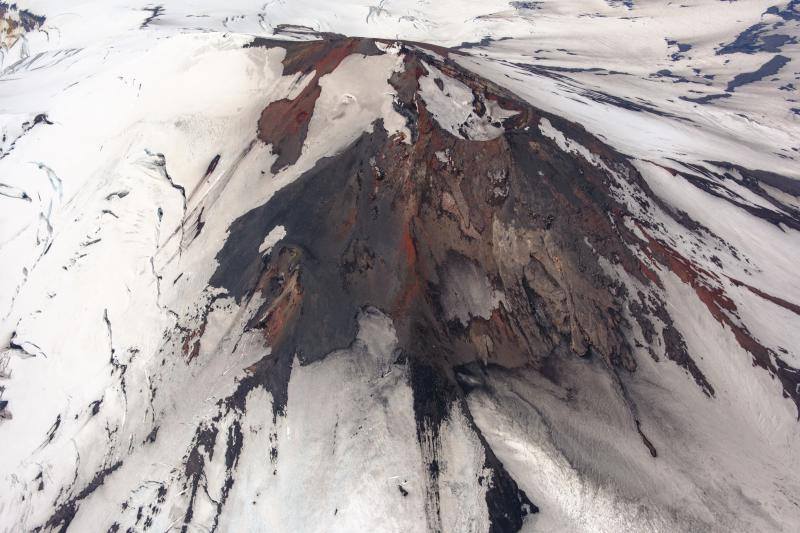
(404, 266)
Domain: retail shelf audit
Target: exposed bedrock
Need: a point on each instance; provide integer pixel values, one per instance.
(411, 298)
(488, 242)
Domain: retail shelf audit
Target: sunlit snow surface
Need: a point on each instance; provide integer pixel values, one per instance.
(112, 115)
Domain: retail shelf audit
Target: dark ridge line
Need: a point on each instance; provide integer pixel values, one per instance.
(596, 95)
(65, 514)
(435, 396)
(767, 69)
(212, 166)
(759, 36)
(646, 441)
(155, 12)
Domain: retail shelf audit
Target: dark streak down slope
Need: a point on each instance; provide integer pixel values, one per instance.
(391, 225)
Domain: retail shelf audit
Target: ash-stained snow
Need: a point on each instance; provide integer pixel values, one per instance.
(454, 106)
(569, 145)
(348, 438)
(466, 291)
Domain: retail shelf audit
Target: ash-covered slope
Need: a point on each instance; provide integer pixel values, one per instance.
(307, 282)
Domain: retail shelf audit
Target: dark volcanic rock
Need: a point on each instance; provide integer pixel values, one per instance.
(491, 252)
(284, 123)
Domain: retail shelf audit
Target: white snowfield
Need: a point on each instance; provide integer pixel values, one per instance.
(112, 113)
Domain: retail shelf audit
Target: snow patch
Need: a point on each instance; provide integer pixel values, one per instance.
(453, 107)
(275, 234)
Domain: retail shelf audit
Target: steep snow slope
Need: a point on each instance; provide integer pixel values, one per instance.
(482, 266)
